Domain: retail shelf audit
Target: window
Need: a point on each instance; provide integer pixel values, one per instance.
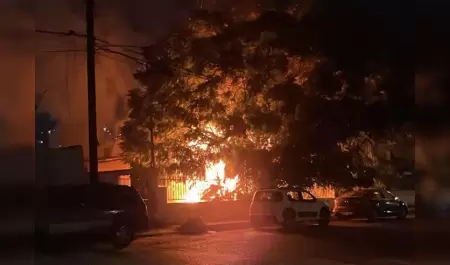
(65, 198)
(125, 180)
(307, 196)
(375, 195)
(268, 196)
(356, 193)
(115, 197)
(300, 196)
(368, 194)
(128, 197)
(294, 196)
(387, 195)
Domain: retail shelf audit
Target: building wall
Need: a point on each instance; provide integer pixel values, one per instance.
(115, 177)
(62, 166)
(18, 166)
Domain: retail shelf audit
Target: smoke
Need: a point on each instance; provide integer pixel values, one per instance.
(16, 57)
(30, 62)
(35, 62)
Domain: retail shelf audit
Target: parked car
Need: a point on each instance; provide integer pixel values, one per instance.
(287, 207)
(103, 211)
(371, 204)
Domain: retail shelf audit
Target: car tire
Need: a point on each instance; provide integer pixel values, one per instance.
(403, 213)
(324, 217)
(289, 221)
(122, 236)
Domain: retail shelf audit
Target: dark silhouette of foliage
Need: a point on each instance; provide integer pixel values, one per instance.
(275, 94)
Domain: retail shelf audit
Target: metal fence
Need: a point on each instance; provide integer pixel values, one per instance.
(176, 188)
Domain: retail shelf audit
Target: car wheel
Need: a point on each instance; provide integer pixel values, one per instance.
(372, 215)
(403, 212)
(122, 236)
(289, 221)
(324, 217)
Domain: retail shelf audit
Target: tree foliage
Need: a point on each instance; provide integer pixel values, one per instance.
(266, 93)
(44, 123)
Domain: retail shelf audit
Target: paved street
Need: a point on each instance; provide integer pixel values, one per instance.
(349, 242)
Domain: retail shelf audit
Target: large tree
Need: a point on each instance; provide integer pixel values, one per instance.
(264, 92)
(45, 123)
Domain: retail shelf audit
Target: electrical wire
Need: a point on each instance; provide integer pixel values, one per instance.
(105, 48)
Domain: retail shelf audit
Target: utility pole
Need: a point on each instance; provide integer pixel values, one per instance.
(92, 112)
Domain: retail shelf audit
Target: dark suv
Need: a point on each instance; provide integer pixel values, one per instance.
(91, 211)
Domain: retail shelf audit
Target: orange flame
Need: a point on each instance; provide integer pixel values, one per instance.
(214, 175)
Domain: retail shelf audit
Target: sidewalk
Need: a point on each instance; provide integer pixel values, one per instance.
(217, 227)
(214, 226)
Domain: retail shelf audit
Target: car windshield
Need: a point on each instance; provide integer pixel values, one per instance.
(359, 193)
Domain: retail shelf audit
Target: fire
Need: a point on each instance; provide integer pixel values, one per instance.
(215, 184)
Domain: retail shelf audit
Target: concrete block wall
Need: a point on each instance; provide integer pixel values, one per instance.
(216, 211)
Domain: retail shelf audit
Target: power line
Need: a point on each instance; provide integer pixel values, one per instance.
(65, 51)
(68, 33)
(122, 46)
(106, 45)
(136, 59)
(108, 50)
(114, 58)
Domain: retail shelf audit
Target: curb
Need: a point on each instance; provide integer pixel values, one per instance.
(219, 227)
(229, 226)
(214, 227)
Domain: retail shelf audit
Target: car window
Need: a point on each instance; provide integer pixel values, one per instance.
(101, 197)
(268, 196)
(306, 196)
(368, 193)
(65, 198)
(115, 197)
(128, 197)
(387, 195)
(299, 196)
(376, 195)
(356, 193)
(294, 196)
